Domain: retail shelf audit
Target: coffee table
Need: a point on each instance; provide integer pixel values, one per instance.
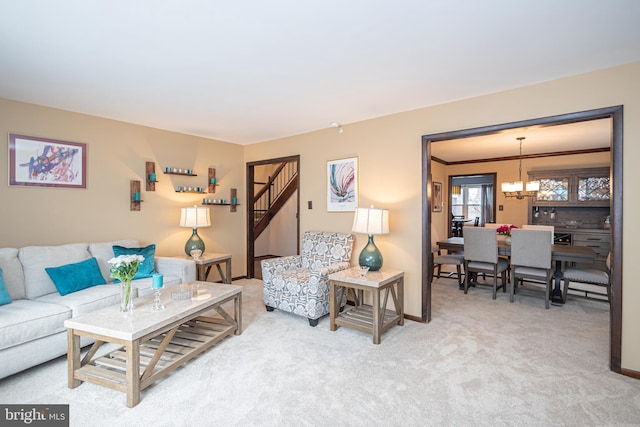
(153, 343)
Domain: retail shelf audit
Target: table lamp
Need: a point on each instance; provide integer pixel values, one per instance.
(195, 217)
(371, 221)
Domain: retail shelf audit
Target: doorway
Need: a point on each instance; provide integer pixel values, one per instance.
(273, 207)
(616, 115)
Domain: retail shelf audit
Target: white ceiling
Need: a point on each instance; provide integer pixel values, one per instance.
(254, 70)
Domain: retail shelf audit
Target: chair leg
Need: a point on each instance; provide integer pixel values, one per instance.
(512, 291)
(548, 292)
(495, 281)
(504, 281)
(565, 291)
(269, 308)
(459, 270)
(439, 271)
(466, 277)
(313, 322)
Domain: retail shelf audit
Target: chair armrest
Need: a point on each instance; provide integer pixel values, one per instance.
(183, 268)
(274, 266)
(325, 271)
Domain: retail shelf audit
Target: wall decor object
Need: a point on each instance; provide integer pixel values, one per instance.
(342, 185)
(135, 200)
(46, 162)
(437, 197)
(151, 177)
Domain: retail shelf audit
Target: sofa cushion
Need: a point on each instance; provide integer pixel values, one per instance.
(13, 275)
(75, 277)
(23, 321)
(146, 267)
(4, 294)
(86, 300)
(103, 252)
(36, 258)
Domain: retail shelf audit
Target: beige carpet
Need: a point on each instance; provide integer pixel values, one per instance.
(479, 362)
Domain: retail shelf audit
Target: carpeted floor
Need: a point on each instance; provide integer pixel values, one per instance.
(479, 362)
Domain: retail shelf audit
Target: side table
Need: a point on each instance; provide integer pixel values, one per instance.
(208, 260)
(373, 319)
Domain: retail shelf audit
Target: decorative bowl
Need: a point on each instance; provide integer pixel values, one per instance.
(572, 223)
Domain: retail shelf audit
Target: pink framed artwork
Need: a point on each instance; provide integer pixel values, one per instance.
(45, 162)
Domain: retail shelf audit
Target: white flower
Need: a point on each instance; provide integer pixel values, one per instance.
(124, 267)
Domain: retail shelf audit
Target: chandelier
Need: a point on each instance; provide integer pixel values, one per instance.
(518, 189)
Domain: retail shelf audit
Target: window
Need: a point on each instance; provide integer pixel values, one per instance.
(471, 197)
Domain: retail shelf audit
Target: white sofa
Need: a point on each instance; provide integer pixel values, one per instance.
(32, 326)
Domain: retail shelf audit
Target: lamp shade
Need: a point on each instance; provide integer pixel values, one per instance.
(371, 221)
(195, 217)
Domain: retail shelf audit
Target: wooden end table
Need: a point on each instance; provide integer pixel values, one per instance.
(373, 319)
(208, 260)
(153, 343)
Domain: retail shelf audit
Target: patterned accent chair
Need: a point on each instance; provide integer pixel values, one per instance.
(299, 283)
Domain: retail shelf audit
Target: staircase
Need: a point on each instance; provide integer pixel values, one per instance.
(273, 195)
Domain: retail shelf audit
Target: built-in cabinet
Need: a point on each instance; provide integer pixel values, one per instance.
(572, 187)
(581, 196)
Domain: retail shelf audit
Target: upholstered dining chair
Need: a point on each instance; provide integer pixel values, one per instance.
(481, 256)
(440, 259)
(299, 284)
(588, 276)
(531, 260)
(540, 227)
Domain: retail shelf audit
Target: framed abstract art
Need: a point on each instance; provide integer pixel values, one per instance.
(45, 162)
(342, 185)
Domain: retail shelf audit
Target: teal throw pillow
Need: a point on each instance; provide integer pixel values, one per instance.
(5, 298)
(74, 277)
(147, 267)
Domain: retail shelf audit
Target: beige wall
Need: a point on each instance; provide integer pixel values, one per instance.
(389, 151)
(116, 154)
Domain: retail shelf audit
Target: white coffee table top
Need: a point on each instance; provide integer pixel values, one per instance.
(109, 321)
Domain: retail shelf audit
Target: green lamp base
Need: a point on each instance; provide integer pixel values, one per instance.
(194, 243)
(371, 256)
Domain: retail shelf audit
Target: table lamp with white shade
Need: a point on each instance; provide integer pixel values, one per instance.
(371, 221)
(194, 218)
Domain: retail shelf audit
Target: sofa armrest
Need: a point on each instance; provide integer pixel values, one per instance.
(183, 268)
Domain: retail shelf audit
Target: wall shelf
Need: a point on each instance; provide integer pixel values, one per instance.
(134, 198)
(233, 197)
(211, 181)
(150, 176)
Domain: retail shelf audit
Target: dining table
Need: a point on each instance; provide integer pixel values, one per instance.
(560, 255)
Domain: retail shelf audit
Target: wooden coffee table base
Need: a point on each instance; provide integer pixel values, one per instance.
(140, 362)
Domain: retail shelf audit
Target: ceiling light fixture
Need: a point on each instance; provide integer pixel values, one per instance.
(337, 125)
(518, 189)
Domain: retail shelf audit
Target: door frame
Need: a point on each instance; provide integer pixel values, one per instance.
(615, 113)
(250, 177)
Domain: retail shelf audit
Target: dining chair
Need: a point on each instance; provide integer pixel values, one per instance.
(540, 227)
(588, 276)
(481, 256)
(439, 259)
(531, 260)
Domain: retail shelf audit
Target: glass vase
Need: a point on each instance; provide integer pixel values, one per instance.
(126, 300)
(507, 240)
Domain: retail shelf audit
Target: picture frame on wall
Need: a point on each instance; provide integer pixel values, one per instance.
(437, 197)
(342, 185)
(45, 162)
